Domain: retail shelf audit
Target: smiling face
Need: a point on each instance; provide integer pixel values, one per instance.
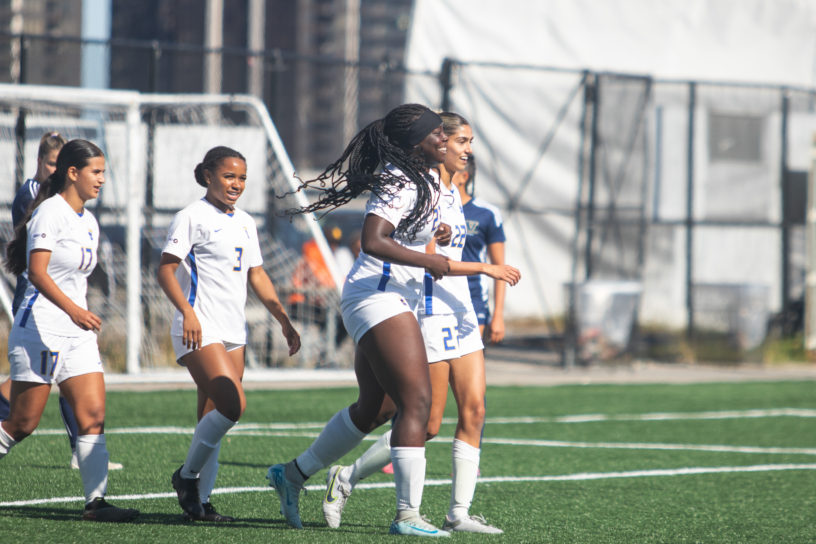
(433, 147)
(226, 183)
(459, 150)
(89, 179)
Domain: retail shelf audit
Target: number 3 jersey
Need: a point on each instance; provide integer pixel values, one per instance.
(450, 294)
(216, 249)
(72, 239)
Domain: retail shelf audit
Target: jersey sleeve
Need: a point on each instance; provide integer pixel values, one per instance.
(22, 200)
(179, 240)
(43, 229)
(494, 230)
(392, 208)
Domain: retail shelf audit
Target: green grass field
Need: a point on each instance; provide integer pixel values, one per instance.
(595, 463)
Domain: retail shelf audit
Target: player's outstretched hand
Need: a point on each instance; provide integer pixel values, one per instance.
(504, 272)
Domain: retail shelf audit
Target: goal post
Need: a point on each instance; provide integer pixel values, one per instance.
(152, 143)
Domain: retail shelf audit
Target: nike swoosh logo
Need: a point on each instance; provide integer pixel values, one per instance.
(330, 498)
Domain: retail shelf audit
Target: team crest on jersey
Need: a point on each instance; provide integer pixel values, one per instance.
(246, 232)
(472, 226)
(90, 234)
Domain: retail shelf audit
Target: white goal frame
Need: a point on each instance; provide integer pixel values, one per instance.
(132, 103)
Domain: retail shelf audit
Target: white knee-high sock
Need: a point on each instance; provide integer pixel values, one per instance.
(6, 442)
(409, 477)
(92, 456)
(208, 433)
(206, 478)
(465, 473)
(372, 460)
(337, 438)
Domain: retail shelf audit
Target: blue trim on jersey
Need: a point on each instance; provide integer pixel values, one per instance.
(27, 311)
(193, 279)
(386, 275)
(428, 294)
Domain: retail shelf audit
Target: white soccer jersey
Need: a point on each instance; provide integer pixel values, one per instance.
(370, 273)
(451, 294)
(72, 239)
(217, 250)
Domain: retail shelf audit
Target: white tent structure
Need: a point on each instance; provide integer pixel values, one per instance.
(688, 177)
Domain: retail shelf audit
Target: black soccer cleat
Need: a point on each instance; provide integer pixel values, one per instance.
(210, 514)
(100, 510)
(187, 490)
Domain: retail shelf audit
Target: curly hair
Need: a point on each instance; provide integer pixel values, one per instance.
(361, 167)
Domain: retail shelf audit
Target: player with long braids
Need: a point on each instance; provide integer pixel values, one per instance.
(391, 159)
(455, 352)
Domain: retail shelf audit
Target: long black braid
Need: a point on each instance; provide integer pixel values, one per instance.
(361, 168)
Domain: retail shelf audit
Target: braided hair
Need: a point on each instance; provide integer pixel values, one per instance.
(76, 153)
(361, 167)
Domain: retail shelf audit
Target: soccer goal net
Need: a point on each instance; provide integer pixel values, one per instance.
(152, 144)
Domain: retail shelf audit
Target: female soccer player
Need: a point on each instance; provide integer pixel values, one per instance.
(485, 241)
(53, 339)
(49, 148)
(454, 346)
(391, 159)
(211, 253)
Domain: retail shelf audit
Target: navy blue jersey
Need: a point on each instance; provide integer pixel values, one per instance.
(484, 224)
(23, 199)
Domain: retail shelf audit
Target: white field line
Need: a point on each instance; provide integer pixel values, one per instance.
(246, 428)
(581, 476)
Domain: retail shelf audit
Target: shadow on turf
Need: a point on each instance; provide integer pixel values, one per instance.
(163, 518)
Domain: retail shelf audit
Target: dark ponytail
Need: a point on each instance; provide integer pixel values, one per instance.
(76, 153)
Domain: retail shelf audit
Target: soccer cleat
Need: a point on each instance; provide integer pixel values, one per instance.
(209, 515)
(416, 526)
(338, 490)
(288, 492)
(100, 510)
(471, 524)
(388, 469)
(111, 465)
(187, 490)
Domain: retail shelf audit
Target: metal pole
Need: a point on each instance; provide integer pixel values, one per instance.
(133, 240)
(690, 210)
(594, 91)
(570, 330)
(784, 179)
(446, 81)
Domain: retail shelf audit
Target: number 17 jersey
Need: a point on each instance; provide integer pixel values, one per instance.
(216, 249)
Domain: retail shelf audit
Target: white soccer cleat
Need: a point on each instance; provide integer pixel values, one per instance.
(416, 526)
(471, 524)
(288, 492)
(338, 490)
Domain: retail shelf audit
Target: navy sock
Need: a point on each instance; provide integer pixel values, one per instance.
(70, 422)
(5, 408)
